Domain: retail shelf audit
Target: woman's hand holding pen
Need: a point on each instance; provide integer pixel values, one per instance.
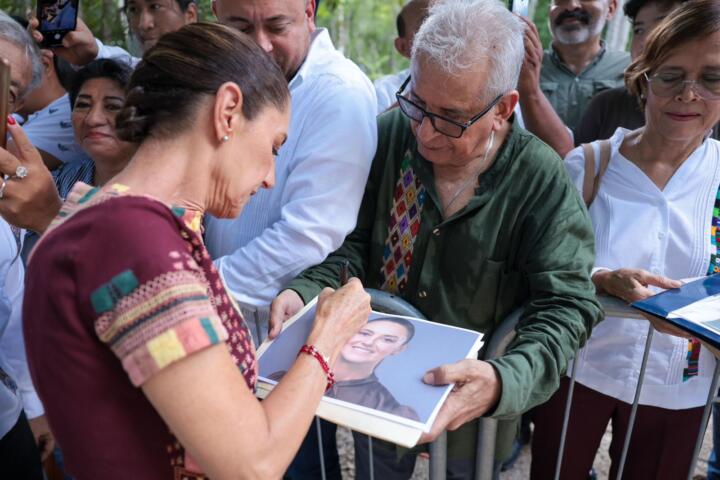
(339, 314)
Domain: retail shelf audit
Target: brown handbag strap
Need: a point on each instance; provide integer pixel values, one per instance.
(591, 182)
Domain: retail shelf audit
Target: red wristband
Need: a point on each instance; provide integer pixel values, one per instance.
(324, 363)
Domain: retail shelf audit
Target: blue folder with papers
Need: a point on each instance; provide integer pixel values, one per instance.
(694, 308)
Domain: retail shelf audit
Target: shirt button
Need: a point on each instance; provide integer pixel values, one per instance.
(661, 235)
(422, 294)
(436, 232)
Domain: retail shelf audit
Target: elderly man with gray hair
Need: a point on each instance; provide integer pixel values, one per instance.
(469, 217)
(22, 53)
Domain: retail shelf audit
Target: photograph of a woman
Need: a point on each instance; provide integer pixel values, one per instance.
(355, 379)
(381, 366)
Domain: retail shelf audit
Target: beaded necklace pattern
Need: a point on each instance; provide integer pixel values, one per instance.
(408, 200)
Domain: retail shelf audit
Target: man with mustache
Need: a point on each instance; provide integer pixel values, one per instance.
(578, 64)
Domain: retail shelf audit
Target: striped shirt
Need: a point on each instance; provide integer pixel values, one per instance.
(66, 176)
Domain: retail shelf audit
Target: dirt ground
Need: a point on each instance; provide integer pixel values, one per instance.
(521, 469)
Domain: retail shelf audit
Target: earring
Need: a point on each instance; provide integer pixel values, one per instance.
(225, 138)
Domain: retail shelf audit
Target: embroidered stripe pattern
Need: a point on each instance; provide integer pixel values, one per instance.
(158, 323)
(715, 237)
(693, 357)
(693, 354)
(408, 201)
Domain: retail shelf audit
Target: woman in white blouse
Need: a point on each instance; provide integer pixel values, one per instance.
(653, 219)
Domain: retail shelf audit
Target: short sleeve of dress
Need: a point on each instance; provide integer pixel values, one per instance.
(151, 299)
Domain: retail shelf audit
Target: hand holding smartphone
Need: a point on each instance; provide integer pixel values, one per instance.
(4, 100)
(57, 18)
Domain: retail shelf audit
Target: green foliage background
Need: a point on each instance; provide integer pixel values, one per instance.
(363, 29)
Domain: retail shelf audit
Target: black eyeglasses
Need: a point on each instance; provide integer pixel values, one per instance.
(444, 125)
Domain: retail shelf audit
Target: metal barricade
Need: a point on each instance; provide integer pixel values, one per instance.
(487, 429)
(615, 307)
(388, 303)
(496, 346)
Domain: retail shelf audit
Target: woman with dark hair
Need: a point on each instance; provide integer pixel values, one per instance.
(97, 94)
(145, 366)
(355, 379)
(653, 197)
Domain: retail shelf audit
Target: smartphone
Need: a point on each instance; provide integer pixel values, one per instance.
(521, 7)
(4, 100)
(57, 18)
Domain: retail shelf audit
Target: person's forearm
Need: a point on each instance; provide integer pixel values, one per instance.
(541, 119)
(237, 436)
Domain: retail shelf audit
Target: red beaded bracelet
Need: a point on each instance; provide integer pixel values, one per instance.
(324, 363)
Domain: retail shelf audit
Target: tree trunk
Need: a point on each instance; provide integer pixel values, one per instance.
(109, 16)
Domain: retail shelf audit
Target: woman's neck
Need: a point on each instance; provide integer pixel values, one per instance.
(345, 371)
(174, 171)
(107, 169)
(658, 156)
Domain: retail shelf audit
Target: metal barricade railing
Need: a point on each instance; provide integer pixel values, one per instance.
(487, 427)
(501, 338)
(394, 305)
(615, 307)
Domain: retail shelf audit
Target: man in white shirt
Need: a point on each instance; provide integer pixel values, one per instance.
(19, 456)
(321, 169)
(408, 22)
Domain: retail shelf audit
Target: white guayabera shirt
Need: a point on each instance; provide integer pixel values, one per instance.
(386, 87)
(667, 233)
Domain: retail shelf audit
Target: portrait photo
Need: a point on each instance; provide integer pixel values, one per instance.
(380, 368)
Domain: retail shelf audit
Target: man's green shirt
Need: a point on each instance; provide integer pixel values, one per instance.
(569, 93)
(524, 239)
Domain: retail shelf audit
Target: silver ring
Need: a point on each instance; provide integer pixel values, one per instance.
(2, 187)
(21, 172)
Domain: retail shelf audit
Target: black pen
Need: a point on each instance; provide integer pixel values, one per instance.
(344, 272)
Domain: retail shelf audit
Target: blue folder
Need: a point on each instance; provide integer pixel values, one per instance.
(662, 304)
